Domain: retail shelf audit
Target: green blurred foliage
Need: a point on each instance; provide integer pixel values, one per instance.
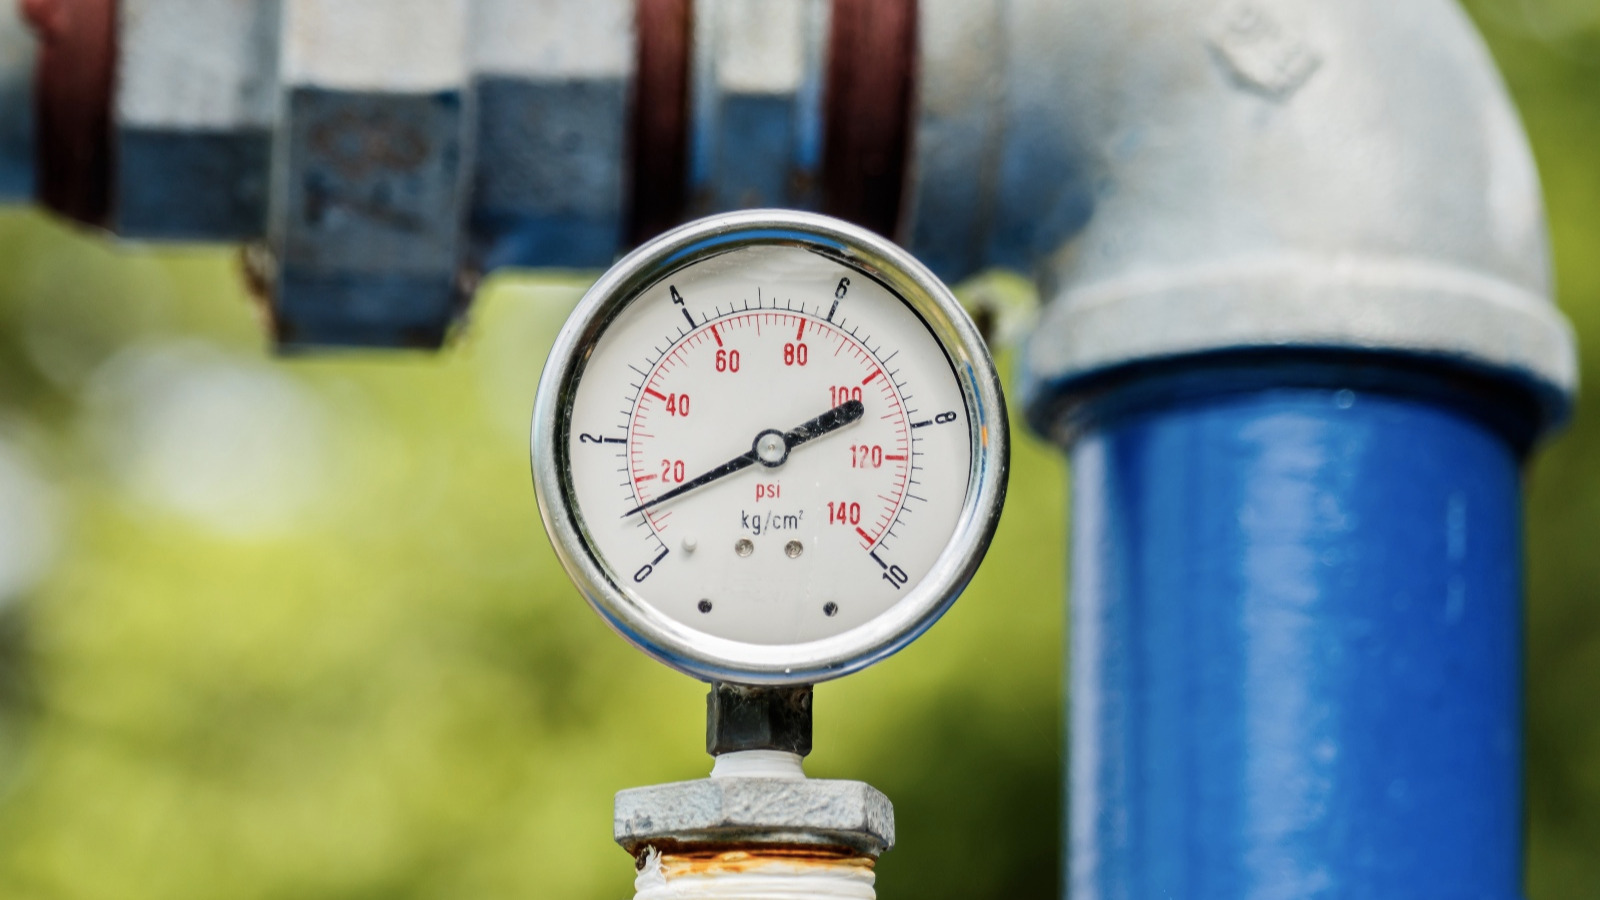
(1549, 52)
(297, 631)
(304, 635)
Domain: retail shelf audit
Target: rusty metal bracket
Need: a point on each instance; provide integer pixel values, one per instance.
(72, 91)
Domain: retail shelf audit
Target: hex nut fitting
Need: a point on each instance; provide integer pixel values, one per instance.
(722, 811)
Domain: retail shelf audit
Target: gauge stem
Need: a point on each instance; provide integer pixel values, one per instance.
(746, 717)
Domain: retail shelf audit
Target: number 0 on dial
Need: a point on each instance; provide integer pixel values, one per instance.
(769, 447)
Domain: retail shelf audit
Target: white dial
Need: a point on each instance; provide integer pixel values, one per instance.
(766, 451)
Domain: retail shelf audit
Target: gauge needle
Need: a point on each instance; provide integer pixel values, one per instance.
(770, 448)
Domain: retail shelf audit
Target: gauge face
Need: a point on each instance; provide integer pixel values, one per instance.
(769, 454)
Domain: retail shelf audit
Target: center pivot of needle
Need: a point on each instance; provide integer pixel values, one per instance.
(771, 449)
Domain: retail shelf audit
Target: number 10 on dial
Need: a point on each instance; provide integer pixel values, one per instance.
(769, 447)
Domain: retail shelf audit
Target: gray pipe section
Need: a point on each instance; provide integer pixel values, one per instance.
(1184, 177)
(1189, 178)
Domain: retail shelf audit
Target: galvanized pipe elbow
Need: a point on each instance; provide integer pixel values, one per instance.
(1297, 340)
(1193, 178)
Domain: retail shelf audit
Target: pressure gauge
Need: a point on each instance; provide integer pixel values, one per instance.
(770, 448)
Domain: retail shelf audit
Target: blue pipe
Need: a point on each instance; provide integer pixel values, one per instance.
(1296, 635)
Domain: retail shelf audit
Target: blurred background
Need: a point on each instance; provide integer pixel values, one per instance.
(290, 627)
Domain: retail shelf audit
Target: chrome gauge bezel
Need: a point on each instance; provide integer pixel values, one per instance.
(713, 658)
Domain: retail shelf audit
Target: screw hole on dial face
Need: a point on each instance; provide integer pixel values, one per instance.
(705, 606)
(793, 549)
(830, 608)
(744, 547)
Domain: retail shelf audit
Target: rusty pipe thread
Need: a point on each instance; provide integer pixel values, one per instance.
(753, 872)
